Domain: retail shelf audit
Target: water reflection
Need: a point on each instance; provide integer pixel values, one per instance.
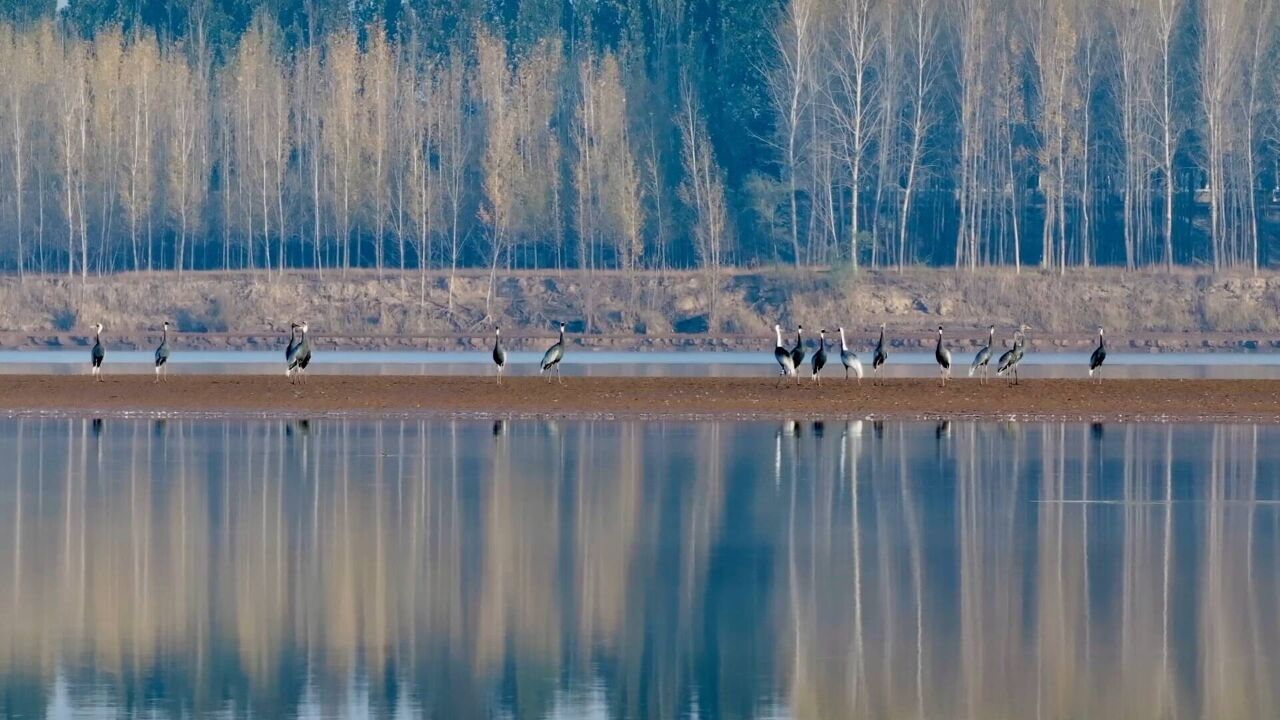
(525, 569)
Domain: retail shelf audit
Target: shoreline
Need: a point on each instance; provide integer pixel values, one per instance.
(645, 398)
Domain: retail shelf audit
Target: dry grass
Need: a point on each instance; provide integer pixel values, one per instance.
(650, 303)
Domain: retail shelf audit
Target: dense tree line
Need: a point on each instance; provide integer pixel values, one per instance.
(274, 134)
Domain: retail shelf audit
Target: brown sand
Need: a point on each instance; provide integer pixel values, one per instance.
(1243, 400)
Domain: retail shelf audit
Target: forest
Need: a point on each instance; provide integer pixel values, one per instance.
(649, 135)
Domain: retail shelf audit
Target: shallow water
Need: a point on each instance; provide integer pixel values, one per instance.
(457, 569)
(689, 363)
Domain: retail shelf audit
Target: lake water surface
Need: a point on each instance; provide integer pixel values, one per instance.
(457, 569)
(1260, 365)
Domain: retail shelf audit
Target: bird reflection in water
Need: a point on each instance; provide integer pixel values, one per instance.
(298, 428)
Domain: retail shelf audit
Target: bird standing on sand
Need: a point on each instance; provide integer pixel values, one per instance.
(298, 354)
(820, 357)
(797, 352)
(782, 355)
(849, 359)
(982, 360)
(98, 353)
(551, 360)
(880, 357)
(1098, 357)
(304, 352)
(291, 352)
(499, 353)
(1010, 359)
(162, 355)
(943, 356)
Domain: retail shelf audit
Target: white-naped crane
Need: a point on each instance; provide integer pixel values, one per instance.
(1098, 357)
(551, 359)
(98, 353)
(297, 355)
(304, 351)
(797, 352)
(162, 355)
(783, 356)
(291, 352)
(849, 359)
(820, 357)
(1009, 361)
(982, 361)
(943, 356)
(499, 353)
(880, 357)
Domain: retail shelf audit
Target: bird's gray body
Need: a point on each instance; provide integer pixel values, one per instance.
(291, 350)
(304, 350)
(782, 355)
(98, 354)
(554, 354)
(298, 353)
(1010, 359)
(982, 360)
(1098, 357)
(162, 353)
(797, 352)
(499, 352)
(943, 357)
(820, 356)
(881, 355)
(849, 359)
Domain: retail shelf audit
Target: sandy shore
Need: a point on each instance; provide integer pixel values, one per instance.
(1241, 400)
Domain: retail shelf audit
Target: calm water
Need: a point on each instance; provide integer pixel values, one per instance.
(1216, 365)
(454, 569)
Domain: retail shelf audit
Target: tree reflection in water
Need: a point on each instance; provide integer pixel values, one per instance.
(470, 569)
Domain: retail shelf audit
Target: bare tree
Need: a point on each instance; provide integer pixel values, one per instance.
(703, 191)
(853, 98)
(1258, 40)
(1220, 44)
(341, 144)
(969, 20)
(792, 86)
(1054, 42)
(1169, 132)
(187, 180)
(455, 156)
(922, 69)
(1134, 28)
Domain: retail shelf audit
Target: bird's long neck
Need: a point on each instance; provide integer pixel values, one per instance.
(843, 345)
(97, 336)
(561, 334)
(164, 338)
(881, 343)
(939, 341)
(1100, 340)
(798, 340)
(778, 331)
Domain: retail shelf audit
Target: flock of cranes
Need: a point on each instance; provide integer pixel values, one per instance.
(297, 356)
(791, 360)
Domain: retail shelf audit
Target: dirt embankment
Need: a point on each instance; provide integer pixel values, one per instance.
(1182, 310)
(1224, 400)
